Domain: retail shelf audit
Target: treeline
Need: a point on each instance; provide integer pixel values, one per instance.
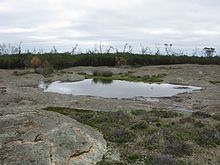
(66, 60)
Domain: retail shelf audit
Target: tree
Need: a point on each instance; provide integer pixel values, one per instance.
(54, 50)
(19, 48)
(74, 49)
(209, 51)
(168, 49)
(109, 49)
(10, 49)
(145, 50)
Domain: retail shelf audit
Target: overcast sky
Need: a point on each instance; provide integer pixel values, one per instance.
(43, 23)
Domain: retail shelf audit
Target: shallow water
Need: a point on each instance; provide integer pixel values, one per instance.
(180, 107)
(118, 89)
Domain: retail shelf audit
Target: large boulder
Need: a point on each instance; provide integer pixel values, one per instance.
(47, 138)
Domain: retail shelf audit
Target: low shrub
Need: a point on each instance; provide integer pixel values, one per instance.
(199, 124)
(208, 137)
(130, 133)
(152, 142)
(35, 62)
(178, 149)
(103, 162)
(163, 160)
(139, 112)
(134, 156)
(200, 114)
(218, 128)
(139, 125)
(45, 68)
(164, 113)
(102, 73)
(187, 120)
(21, 73)
(121, 135)
(216, 116)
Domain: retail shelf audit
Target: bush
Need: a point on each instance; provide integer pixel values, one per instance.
(216, 116)
(139, 125)
(178, 149)
(218, 128)
(187, 120)
(35, 62)
(121, 135)
(164, 114)
(103, 162)
(208, 137)
(199, 124)
(164, 160)
(44, 68)
(199, 114)
(152, 142)
(66, 60)
(103, 73)
(134, 156)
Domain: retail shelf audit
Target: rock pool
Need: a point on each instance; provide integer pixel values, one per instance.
(118, 89)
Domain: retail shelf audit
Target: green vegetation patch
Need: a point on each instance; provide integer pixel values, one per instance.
(114, 125)
(216, 116)
(66, 60)
(104, 73)
(149, 137)
(214, 82)
(134, 156)
(178, 149)
(107, 75)
(21, 73)
(208, 137)
(164, 113)
(200, 114)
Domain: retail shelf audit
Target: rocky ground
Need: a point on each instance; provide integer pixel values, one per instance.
(21, 104)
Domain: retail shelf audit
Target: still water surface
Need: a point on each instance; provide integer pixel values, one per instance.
(118, 89)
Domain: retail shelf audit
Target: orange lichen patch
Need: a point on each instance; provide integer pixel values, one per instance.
(35, 62)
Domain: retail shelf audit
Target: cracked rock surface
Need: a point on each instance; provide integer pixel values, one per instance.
(41, 138)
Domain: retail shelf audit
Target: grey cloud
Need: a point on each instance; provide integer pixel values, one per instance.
(185, 23)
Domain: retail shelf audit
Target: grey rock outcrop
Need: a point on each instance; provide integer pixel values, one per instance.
(46, 138)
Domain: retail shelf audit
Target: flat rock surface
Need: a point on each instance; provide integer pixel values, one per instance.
(41, 137)
(23, 90)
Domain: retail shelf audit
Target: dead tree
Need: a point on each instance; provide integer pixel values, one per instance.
(19, 48)
(100, 47)
(74, 49)
(209, 52)
(125, 47)
(145, 50)
(54, 50)
(168, 48)
(109, 49)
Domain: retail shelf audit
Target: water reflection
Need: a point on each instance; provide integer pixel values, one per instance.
(102, 81)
